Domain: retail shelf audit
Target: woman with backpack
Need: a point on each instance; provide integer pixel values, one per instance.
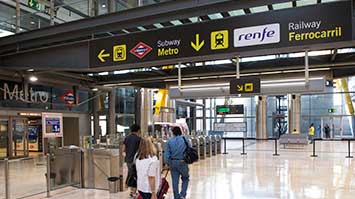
(148, 170)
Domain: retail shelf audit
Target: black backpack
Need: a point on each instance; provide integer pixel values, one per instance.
(190, 154)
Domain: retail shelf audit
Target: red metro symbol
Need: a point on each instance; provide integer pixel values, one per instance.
(68, 98)
(141, 50)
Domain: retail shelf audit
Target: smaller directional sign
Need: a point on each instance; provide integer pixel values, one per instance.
(102, 55)
(245, 85)
(197, 45)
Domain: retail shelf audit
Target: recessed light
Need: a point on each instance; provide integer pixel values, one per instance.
(33, 78)
(103, 5)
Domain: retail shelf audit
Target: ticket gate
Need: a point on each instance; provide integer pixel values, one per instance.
(163, 143)
(202, 143)
(213, 145)
(195, 144)
(219, 144)
(208, 146)
(158, 146)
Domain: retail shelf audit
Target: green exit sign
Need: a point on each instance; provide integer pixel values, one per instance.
(331, 110)
(33, 4)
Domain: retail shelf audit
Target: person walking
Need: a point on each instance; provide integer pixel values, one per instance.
(311, 131)
(174, 158)
(327, 131)
(148, 170)
(130, 147)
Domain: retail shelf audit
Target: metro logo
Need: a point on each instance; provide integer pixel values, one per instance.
(257, 35)
(141, 50)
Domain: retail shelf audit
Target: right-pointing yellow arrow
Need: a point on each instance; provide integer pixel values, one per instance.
(101, 55)
(197, 45)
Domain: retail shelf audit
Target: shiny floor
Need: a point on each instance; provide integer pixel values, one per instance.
(259, 174)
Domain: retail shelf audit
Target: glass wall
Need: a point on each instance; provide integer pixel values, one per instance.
(334, 109)
(327, 109)
(211, 117)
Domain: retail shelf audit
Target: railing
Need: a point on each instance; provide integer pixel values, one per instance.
(277, 151)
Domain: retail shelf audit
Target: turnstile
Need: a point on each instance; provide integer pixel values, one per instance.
(163, 143)
(208, 146)
(202, 143)
(158, 144)
(219, 144)
(213, 145)
(98, 165)
(195, 144)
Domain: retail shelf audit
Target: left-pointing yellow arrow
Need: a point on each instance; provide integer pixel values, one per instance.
(101, 55)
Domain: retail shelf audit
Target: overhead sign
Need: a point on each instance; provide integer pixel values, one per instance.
(279, 29)
(245, 85)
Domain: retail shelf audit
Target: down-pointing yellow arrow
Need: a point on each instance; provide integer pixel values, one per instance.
(197, 45)
(101, 55)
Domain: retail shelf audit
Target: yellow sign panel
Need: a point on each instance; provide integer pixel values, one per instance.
(119, 53)
(219, 40)
(248, 87)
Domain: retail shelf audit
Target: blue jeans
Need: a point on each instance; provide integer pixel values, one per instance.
(179, 168)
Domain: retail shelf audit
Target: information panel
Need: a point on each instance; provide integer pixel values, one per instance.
(230, 109)
(304, 26)
(52, 124)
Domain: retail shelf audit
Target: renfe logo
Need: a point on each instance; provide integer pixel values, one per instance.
(257, 35)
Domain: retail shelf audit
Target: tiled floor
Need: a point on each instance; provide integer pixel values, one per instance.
(293, 174)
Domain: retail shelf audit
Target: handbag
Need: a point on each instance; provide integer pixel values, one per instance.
(190, 154)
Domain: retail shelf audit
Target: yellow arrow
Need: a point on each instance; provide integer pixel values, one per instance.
(197, 45)
(101, 55)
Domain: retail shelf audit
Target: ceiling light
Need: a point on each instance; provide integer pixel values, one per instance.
(103, 5)
(95, 89)
(33, 78)
(32, 22)
(30, 70)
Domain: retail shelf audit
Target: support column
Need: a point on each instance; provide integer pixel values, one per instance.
(261, 118)
(294, 113)
(96, 109)
(111, 6)
(146, 110)
(51, 12)
(18, 17)
(92, 8)
(171, 104)
(204, 124)
(111, 127)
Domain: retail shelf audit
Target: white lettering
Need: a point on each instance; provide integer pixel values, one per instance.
(24, 95)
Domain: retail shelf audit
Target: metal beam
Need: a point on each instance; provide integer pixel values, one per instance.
(141, 16)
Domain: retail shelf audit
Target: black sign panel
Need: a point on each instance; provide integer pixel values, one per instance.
(324, 23)
(230, 109)
(245, 85)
